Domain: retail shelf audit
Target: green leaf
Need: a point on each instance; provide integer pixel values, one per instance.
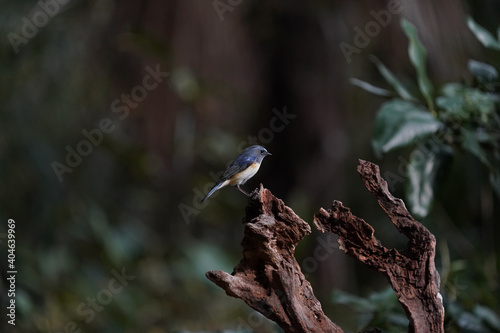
(473, 141)
(454, 105)
(495, 182)
(471, 144)
(400, 123)
(418, 53)
(459, 104)
(479, 103)
(358, 303)
(487, 315)
(483, 35)
(482, 70)
(384, 299)
(452, 89)
(392, 79)
(470, 323)
(426, 162)
(370, 88)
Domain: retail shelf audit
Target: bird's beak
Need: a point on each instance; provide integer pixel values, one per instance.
(268, 153)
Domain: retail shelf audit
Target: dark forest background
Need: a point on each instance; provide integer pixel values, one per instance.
(170, 92)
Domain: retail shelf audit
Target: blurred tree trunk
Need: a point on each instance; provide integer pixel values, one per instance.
(214, 57)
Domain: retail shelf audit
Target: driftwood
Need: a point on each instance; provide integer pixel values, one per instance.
(269, 279)
(411, 273)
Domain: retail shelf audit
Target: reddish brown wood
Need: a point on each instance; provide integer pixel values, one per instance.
(268, 278)
(411, 272)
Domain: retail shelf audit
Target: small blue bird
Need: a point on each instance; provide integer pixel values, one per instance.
(242, 169)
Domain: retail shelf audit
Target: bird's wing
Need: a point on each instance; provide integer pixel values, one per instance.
(239, 164)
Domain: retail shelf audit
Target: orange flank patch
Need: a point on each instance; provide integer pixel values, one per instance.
(243, 176)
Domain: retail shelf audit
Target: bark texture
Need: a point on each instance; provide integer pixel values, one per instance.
(411, 272)
(268, 278)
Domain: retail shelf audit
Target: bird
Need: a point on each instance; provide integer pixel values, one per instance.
(241, 169)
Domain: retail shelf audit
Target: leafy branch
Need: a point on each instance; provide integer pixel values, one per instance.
(460, 117)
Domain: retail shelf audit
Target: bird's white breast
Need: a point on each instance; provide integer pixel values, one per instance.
(245, 175)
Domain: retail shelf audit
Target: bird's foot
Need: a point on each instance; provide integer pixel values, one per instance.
(242, 190)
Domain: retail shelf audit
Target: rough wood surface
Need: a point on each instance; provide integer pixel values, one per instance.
(411, 272)
(268, 278)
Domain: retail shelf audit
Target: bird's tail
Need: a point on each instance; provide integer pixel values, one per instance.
(215, 188)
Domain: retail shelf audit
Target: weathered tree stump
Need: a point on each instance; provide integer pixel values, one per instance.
(269, 279)
(411, 273)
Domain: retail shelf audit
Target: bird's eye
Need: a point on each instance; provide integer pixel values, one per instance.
(262, 151)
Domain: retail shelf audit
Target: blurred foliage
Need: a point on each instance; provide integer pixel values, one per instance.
(465, 117)
(480, 319)
(382, 310)
(379, 310)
